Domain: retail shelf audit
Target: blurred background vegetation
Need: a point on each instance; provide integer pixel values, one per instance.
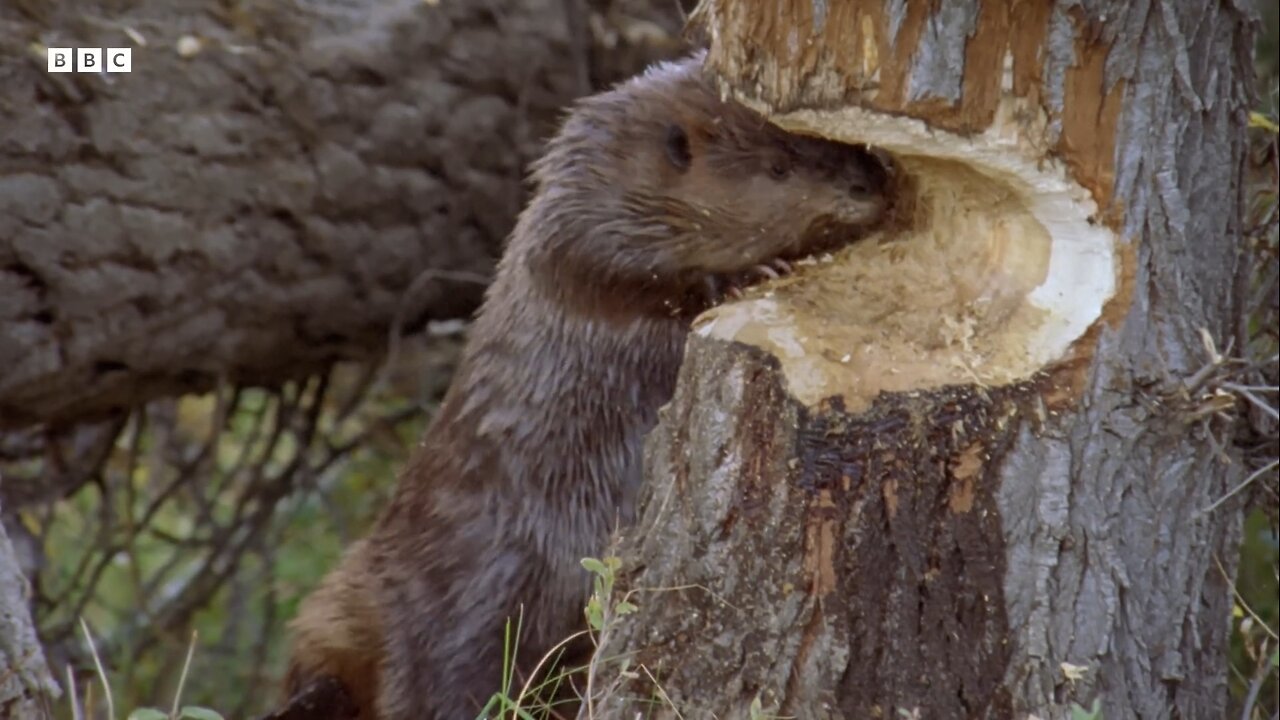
(212, 516)
(215, 515)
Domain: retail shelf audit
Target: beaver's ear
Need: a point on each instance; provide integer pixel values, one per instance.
(678, 151)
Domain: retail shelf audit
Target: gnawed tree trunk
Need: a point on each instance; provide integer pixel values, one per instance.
(964, 471)
(273, 186)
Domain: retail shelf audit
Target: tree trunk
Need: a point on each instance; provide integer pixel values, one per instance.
(273, 186)
(970, 467)
(26, 687)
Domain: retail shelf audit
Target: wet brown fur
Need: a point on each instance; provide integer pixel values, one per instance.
(648, 191)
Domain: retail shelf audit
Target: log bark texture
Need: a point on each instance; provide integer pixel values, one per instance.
(273, 186)
(972, 551)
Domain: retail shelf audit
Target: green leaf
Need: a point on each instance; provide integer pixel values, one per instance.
(595, 618)
(1275, 659)
(624, 608)
(1258, 120)
(148, 714)
(594, 565)
(1093, 713)
(199, 713)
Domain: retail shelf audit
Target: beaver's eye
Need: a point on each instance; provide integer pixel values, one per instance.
(779, 169)
(678, 151)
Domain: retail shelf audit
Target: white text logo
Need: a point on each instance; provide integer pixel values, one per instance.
(90, 59)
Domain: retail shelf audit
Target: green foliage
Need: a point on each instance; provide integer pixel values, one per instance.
(1254, 680)
(1093, 713)
(186, 712)
(541, 700)
(531, 702)
(218, 526)
(1256, 616)
(605, 572)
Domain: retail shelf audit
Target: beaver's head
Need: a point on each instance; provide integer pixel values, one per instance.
(739, 190)
(659, 183)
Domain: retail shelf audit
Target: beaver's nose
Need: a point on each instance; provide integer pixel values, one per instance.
(870, 183)
(872, 177)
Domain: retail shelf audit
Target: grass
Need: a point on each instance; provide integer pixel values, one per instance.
(542, 695)
(84, 707)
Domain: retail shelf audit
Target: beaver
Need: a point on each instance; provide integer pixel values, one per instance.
(652, 201)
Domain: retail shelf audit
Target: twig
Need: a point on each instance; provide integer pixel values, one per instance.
(1256, 474)
(666, 698)
(182, 679)
(1246, 392)
(1242, 601)
(102, 674)
(77, 713)
(1260, 674)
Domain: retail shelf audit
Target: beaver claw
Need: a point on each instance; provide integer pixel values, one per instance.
(767, 271)
(717, 288)
(771, 269)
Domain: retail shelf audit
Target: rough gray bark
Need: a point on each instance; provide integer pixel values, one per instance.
(26, 687)
(294, 184)
(832, 565)
(974, 551)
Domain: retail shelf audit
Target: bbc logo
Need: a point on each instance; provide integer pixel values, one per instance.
(90, 59)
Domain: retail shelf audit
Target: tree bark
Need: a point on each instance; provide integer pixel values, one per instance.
(273, 186)
(26, 687)
(917, 542)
